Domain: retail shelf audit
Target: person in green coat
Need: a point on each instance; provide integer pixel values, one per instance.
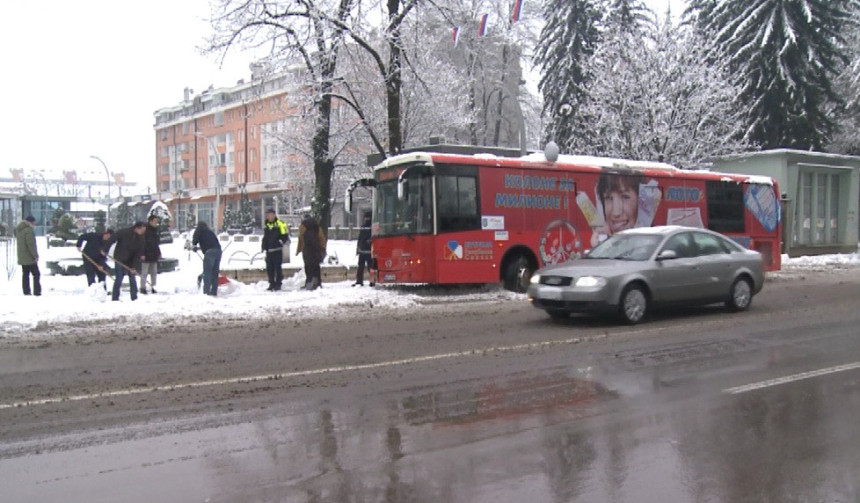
(28, 255)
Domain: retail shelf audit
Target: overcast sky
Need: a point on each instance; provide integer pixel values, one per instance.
(84, 77)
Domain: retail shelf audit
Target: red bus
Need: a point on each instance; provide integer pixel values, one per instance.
(451, 214)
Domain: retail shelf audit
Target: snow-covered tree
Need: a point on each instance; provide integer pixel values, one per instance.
(657, 98)
(245, 218)
(569, 38)
(846, 139)
(627, 15)
(99, 221)
(783, 55)
(229, 217)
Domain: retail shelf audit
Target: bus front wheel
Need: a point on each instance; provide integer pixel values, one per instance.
(518, 274)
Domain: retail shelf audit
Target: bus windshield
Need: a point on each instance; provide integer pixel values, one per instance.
(412, 215)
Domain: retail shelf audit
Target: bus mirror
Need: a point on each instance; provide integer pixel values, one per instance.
(402, 189)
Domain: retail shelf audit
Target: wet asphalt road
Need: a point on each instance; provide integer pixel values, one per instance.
(485, 401)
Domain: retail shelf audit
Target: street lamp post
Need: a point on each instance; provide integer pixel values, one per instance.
(107, 173)
(217, 169)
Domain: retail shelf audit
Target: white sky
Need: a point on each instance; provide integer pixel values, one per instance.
(67, 299)
(83, 78)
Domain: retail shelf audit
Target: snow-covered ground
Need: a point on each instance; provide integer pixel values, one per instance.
(67, 301)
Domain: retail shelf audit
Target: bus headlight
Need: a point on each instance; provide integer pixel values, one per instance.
(535, 279)
(590, 281)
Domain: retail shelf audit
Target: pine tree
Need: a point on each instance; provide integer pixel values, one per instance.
(245, 220)
(568, 39)
(100, 220)
(783, 55)
(629, 15)
(122, 217)
(229, 218)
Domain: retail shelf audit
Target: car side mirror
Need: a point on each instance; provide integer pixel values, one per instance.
(667, 255)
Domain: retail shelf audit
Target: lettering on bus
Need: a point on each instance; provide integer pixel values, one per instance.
(681, 194)
(527, 201)
(535, 201)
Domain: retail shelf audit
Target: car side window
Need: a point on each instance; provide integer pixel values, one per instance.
(707, 244)
(680, 244)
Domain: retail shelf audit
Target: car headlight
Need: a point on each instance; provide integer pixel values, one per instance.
(590, 281)
(535, 279)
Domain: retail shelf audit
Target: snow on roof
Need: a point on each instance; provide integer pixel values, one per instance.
(602, 162)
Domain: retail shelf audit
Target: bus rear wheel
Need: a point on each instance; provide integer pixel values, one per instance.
(518, 274)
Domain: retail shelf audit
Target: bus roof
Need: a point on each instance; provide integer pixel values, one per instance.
(538, 160)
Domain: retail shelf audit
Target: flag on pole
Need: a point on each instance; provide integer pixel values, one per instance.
(482, 25)
(515, 13)
(455, 35)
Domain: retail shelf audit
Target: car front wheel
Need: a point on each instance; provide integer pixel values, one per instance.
(740, 296)
(633, 305)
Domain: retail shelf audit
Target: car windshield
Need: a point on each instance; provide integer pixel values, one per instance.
(626, 247)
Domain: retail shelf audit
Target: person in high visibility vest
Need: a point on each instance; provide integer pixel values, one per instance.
(275, 236)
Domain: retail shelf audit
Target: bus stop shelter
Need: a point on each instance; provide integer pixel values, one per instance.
(819, 194)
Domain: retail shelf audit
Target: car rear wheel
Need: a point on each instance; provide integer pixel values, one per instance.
(633, 305)
(740, 296)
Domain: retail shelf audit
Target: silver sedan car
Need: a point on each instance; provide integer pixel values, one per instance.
(637, 269)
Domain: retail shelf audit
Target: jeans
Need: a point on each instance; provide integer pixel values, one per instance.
(27, 270)
(119, 273)
(93, 273)
(211, 269)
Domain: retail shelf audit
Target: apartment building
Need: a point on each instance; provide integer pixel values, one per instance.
(217, 144)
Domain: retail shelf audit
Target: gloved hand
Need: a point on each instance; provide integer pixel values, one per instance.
(195, 248)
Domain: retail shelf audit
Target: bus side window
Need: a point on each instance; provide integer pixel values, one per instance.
(458, 203)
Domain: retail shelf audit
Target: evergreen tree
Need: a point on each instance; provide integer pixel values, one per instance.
(568, 39)
(190, 218)
(55, 220)
(67, 227)
(122, 217)
(99, 220)
(784, 56)
(628, 15)
(245, 220)
(229, 217)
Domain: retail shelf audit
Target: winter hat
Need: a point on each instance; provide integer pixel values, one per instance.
(139, 224)
(31, 219)
(270, 210)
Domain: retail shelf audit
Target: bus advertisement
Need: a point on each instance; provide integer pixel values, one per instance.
(449, 218)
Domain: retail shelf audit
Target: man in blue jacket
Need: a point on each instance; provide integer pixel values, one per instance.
(206, 240)
(95, 254)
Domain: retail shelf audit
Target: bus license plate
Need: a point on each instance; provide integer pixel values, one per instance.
(388, 277)
(550, 293)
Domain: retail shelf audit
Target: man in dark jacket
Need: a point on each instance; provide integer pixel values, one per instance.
(362, 249)
(129, 247)
(95, 254)
(206, 240)
(275, 236)
(312, 248)
(28, 255)
(151, 254)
